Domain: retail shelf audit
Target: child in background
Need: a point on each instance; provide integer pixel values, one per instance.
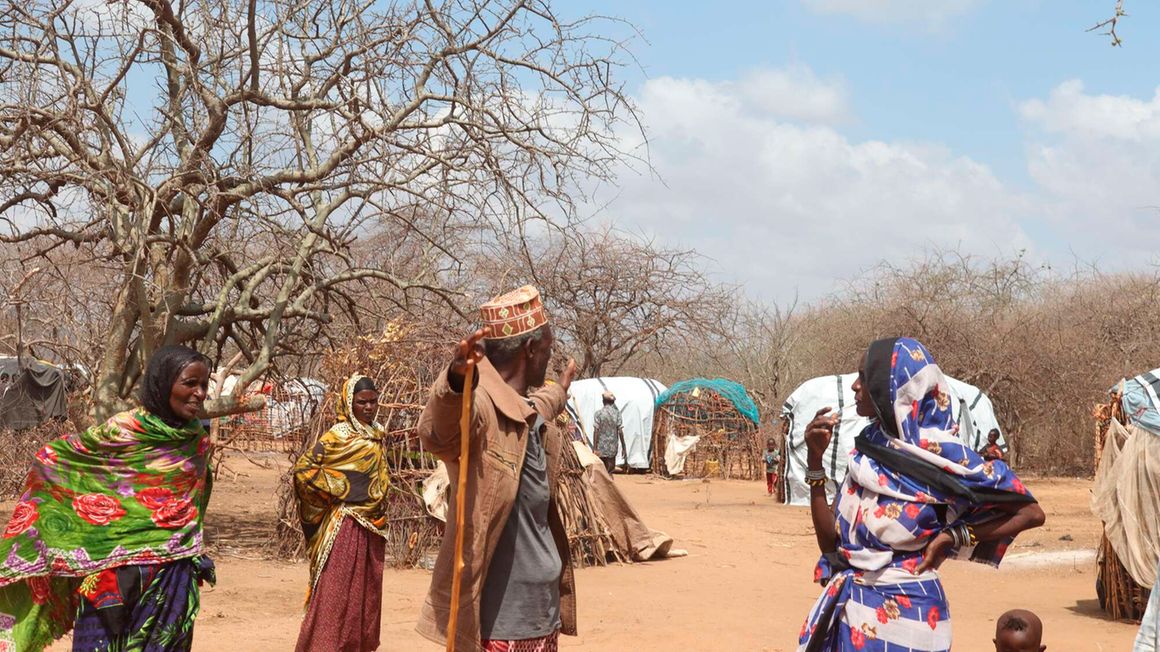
(992, 451)
(1019, 630)
(772, 459)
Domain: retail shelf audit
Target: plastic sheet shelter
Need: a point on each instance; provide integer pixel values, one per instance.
(1140, 400)
(837, 392)
(635, 398)
(31, 394)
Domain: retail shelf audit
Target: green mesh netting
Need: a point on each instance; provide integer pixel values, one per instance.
(727, 389)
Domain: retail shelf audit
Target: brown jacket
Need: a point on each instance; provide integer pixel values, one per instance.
(501, 419)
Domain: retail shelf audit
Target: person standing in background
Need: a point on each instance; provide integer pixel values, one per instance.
(772, 459)
(608, 432)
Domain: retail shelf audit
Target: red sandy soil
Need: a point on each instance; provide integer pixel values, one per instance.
(744, 586)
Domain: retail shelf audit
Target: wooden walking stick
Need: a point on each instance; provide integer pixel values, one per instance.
(460, 500)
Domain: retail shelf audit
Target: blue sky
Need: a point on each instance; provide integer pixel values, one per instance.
(1004, 102)
(954, 81)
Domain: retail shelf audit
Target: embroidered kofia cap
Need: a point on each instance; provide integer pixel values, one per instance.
(513, 314)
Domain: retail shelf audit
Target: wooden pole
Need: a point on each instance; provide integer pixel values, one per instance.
(460, 501)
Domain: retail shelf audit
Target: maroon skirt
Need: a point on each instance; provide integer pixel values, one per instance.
(346, 606)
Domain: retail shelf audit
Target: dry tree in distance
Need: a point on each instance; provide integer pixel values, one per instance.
(215, 160)
(615, 297)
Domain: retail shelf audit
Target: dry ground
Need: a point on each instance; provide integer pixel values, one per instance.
(744, 586)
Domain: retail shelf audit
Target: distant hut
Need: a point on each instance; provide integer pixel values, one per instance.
(706, 427)
(31, 393)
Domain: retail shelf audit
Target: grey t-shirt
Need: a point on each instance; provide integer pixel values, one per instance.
(521, 594)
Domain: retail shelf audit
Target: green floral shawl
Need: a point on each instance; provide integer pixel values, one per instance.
(130, 491)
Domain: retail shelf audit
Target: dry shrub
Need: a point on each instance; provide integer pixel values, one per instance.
(1044, 346)
(17, 450)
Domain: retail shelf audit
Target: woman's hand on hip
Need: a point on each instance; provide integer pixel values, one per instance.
(935, 552)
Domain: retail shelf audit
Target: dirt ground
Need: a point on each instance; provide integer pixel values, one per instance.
(744, 586)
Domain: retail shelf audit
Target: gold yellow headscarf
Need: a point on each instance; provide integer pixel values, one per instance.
(344, 474)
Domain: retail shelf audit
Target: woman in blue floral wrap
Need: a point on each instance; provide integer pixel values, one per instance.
(914, 495)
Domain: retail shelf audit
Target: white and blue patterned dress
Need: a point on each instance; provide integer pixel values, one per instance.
(899, 493)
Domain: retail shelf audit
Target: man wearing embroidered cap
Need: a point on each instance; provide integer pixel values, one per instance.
(518, 591)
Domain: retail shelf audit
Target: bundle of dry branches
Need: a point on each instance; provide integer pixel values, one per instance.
(590, 541)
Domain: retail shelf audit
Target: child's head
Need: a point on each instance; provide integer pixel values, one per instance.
(1019, 630)
(993, 436)
(768, 444)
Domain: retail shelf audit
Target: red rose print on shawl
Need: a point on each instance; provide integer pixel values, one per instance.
(23, 517)
(154, 497)
(175, 514)
(47, 456)
(98, 509)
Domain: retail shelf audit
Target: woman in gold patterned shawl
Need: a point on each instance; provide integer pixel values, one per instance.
(341, 484)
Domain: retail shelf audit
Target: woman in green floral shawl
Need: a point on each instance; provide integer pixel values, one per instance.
(106, 539)
(342, 485)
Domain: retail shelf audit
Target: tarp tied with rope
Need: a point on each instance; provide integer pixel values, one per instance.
(727, 389)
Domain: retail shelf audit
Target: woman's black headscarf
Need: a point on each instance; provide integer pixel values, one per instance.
(160, 374)
(878, 368)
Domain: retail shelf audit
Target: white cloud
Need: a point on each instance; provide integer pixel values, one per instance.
(1096, 160)
(784, 201)
(931, 13)
(784, 206)
(794, 93)
(1069, 111)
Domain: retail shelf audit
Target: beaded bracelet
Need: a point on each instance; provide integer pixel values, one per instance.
(816, 478)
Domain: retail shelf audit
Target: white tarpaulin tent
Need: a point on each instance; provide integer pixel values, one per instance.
(635, 398)
(836, 392)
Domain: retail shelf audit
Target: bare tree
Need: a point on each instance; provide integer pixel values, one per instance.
(614, 298)
(216, 160)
